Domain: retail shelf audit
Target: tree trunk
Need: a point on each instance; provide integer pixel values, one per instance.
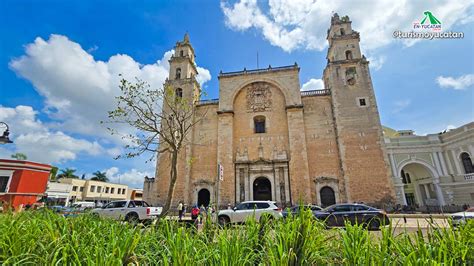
(173, 177)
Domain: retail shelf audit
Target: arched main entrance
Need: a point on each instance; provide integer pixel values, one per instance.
(328, 196)
(204, 197)
(262, 189)
(418, 185)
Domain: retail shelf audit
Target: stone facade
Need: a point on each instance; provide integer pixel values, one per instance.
(275, 142)
(432, 170)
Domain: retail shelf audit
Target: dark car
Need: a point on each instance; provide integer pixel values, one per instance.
(295, 210)
(338, 214)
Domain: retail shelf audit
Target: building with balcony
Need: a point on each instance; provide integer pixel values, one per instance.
(432, 170)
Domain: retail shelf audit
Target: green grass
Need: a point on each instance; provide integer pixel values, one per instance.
(43, 237)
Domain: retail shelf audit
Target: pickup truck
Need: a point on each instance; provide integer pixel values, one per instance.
(132, 211)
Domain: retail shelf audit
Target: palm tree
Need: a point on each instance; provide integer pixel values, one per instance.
(99, 176)
(19, 156)
(67, 173)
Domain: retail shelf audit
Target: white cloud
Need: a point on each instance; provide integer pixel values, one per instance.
(78, 89)
(21, 120)
(304, 23)
(459, 83)
(376, 63)
(133, 178)
(54, 147)
(40, 144)
(203, 75)
(401, 105)
(313, 84)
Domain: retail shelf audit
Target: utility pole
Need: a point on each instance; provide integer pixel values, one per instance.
(257, 61)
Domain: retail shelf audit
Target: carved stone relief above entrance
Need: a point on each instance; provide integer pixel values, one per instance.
(259, 97)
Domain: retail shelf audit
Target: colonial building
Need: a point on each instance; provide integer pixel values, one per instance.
(95, 191)
(276, 142)
(432, 170)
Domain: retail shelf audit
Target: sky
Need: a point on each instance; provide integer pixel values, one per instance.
(60, 61)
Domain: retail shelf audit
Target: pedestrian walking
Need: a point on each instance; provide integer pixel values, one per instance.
(194, 212)
(180, 210)
(202, 213)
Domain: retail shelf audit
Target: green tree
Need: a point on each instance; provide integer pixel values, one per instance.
(100, 176)
(162, 120)
(19, 156)
(53, 173)
(67, 173)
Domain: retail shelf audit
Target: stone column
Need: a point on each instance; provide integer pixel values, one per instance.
(237, 185)
(448, 161)
(226, 193)
(439, 193)
(287, 187)
(393, 165)
(456, 163)
(318, 195)
(299, 170)
(418, 196)
(403, 198)
(400, 191)
(427, 191)
(437, 163)
(443, 163)
(276, 175)
(247, 187)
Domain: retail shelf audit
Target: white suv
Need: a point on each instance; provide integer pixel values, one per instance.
(256, 209)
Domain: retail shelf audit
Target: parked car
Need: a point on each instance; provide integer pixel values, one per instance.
(295, 210)
(245, 210)
(339, 214)
(460, 218)
(83, 204)
(74, 211)
(129, 210)
(56, 208)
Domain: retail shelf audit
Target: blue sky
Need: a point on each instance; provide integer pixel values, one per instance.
(59, 61)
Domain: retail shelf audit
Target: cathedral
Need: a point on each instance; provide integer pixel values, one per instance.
(265, 139)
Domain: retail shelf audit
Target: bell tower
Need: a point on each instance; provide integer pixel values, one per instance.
(364, 162)
(183, 71)
(182, 79)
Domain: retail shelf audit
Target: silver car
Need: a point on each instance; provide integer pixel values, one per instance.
(250, 209)
(460, 218)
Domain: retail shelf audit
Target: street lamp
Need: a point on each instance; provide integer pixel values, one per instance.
(4, 137)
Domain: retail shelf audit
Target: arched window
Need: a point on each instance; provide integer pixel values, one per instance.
(348, 55)
(179, 93)
(406, 179)
(467, 163)
(259, 124)
(181, 53)
(178, 73)
(342, 31)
